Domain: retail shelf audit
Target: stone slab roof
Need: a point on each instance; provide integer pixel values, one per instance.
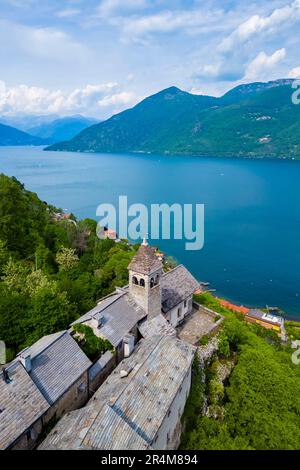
(126, 413)
(93, 428)
(145, 261)
(119, 315)
(156, 326)
(177, 285)
(21, 404)
(57, 362)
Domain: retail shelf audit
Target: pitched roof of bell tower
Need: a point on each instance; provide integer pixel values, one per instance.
(145, 261)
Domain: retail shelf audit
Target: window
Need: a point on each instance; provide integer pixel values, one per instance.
(151, 282)
(179, 312)
(185, 303)
(31, 435)
(156, 279)
(134, 280)
(81, 388)
(142, 283)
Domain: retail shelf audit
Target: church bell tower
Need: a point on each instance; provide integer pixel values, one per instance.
(145, 272)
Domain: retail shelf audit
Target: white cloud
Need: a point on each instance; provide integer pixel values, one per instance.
(108, 8)
(263, 64)
(124, 97)
(257, 24)
(68, 12)
(88, 100)
(168, 21)
(294, 73)
(38, 42)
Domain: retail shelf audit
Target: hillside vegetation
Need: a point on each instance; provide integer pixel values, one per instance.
(255, 120)
(50, 272)
(257, 406)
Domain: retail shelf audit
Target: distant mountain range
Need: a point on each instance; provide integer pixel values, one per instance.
(61, 129)
(12, 136)
(41, 130)
(254, 120)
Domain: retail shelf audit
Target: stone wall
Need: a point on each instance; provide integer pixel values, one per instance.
(75, 397)
(101, 370)
(28, 440)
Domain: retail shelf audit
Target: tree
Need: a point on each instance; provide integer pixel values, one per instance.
(67, 259)
(15, 274)
(4, 255)
(49, 311)
(22, 216)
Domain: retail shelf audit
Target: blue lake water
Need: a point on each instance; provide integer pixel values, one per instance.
(252, 211)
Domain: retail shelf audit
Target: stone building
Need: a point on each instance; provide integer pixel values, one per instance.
(116, 318)
(54, 376)
(145, 274)
(44, 381)
(170, 293)
(22, 407)
(151, 294)
(138, 407)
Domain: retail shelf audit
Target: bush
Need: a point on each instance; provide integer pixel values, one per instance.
(92, 345)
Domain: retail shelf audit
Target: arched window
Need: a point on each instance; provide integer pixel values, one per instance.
(156, 280)
(142, 283)
(151, 283)
(135, 281)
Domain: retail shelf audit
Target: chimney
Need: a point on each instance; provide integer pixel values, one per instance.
(6, 377)
(128, 341)
(96, 322)
(25, 359)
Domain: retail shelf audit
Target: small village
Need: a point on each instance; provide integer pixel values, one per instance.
(131, 397)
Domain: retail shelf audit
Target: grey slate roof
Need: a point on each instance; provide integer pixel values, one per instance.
(89, 428)
(126, 413)
(57, 362)
(101, 306)
(21, 404)
(177, 285)
(156, 326)
(119, 315)
(145, 261)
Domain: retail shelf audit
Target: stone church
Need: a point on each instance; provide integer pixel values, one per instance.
(154, 302)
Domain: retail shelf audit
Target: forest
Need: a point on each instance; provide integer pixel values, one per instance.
(51, 270)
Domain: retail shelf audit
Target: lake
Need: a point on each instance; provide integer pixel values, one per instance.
(252, 211)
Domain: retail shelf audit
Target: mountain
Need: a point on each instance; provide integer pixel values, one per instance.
(61, 129)
(24, 122)
(253, 120)
(12, 136)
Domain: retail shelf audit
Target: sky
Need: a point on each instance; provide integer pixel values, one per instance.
(97, 58)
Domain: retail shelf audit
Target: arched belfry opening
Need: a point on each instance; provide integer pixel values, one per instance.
(146, 269)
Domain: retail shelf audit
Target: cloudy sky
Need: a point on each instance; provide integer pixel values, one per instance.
(99, 57)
